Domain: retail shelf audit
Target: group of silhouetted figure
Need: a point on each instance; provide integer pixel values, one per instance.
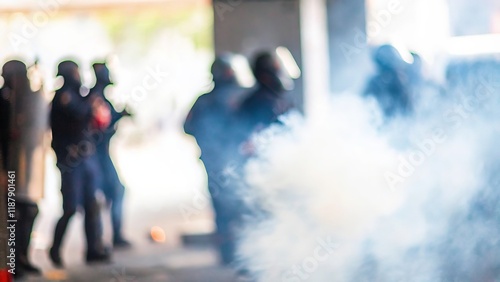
(83, 122)
(222, 121)
(82, 125)
(223, 129)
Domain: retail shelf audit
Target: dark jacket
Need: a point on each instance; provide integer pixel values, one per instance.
(70, 119)
(210, 122)
(4, 126)
(261, 109)
(102, 142)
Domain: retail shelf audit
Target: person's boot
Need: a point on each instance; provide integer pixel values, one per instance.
(19, 274)
(102, 255)
(27, 266)
(121, 243)
(55, 257)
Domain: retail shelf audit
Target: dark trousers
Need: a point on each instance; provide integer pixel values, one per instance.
(113, 190)
(78, 188)
(26, 213)
(229, 209)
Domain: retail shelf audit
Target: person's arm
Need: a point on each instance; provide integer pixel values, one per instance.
(192, 117)
(115, 116)
(188, 123)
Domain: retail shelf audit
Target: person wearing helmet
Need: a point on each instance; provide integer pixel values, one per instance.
(23, 126)
(390, 85)
(264, 105)
(70, 118)
(209, 122)
(5, 116)
(111, 185)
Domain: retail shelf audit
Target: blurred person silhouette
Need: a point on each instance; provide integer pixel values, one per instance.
(71, 118)
(111, 185)
(23, 125)
(5, 275)
(264, 105)
(209, 121)
(4, 125)
(261, 109)
(390, 85)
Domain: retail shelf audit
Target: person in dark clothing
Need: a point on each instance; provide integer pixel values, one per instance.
(111, 185)
(390, 86)
(263, 106)
(16, 98)
(70, 119)
(209, 121)
(260, 110)
(211, 114)
(4, 125)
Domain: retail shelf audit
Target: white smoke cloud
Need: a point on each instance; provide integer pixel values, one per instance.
(332, 213)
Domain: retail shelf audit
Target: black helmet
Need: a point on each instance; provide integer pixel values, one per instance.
(269, 72)
(102, 73)
(222, 69)
(13, 69)
(69, 71)
(66, 68)
(388, 57)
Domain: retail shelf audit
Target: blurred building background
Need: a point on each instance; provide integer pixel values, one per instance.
(174, 42)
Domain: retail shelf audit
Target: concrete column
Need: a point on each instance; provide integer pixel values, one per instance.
(315, 56)
(326, 37)
(347, 43)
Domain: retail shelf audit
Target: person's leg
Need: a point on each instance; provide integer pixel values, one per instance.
(93, 224)
(114, 192)
(216, 184)
(26, 212)
(71, 189)
(116, 215)
(224, 235)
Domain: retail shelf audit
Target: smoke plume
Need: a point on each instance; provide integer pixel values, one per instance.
(348, 197)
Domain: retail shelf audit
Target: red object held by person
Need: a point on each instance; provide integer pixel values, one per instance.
(102, 117)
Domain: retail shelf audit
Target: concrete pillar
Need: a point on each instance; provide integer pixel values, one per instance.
(326, 37)
(347, 43)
